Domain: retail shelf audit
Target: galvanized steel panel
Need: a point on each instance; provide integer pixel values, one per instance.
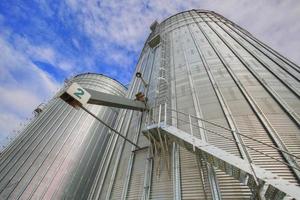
(58, 154)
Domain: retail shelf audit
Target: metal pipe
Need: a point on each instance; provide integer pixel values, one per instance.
(114, 130)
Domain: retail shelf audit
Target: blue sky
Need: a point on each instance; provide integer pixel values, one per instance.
(43, 42)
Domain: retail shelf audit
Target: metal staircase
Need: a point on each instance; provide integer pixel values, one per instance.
(265, 184)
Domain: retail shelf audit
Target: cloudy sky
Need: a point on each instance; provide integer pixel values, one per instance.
(42, 42)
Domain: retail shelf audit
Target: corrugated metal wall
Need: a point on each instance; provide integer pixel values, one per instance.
(58, 154)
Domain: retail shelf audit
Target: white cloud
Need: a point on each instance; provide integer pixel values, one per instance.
(45, 53)
(23, 86)
(9, 124)
(126, 23)
(18, 100)
(66, 65)
(273, 22)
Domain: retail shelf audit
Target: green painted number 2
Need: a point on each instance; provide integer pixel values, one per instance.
(79, 93)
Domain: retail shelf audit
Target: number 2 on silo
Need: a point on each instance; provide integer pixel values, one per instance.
(79, 93)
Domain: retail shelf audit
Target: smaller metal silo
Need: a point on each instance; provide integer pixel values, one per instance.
(58, 153)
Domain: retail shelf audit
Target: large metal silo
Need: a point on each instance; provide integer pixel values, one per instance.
(59, 152)
(200, 64)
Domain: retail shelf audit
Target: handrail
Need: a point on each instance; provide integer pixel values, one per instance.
(219, 134)
(248, 146)
(230, 130)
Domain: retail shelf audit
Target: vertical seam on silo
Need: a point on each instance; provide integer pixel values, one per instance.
(27, 149)
(222, 101)
(86, 149)
(29, 156)
(258, 112)
(136, 137)
(273, 133)
(263, 52)
(263, 45)
(223, 104)
(111, 149)
(291, 113)
(47, 157)
(61, 180)
(24, 136)
(266, 66)
(32, 193)
(212, 177)
(115, 170)
(176, 155)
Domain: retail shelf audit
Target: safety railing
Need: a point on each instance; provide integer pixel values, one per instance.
(163, 115)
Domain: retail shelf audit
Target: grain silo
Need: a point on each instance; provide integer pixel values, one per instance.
(240, 95)
(223, 123)
(59, 152)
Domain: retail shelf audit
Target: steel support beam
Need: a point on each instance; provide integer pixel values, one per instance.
(104, 99)
(77, 96)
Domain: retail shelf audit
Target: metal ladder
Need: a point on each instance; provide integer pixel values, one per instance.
(264, 183)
